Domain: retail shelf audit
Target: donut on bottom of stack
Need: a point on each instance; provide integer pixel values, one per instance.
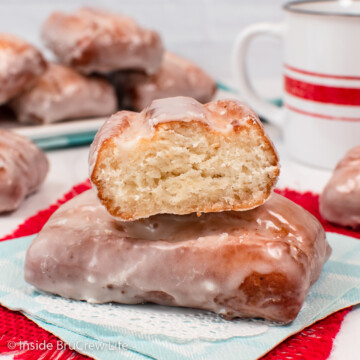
(61, 93)
(176, 77)
(256, 263)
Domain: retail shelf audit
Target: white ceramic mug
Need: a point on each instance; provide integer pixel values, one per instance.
(321, 68)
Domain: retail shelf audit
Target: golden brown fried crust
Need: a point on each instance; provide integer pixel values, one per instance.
(215, 207)
(258, 263)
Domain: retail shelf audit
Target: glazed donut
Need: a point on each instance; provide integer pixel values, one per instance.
(178, 156)
(340, 199)
(23, 168)
(257, 263)
(21, 64)
(176, 77)
(62, 93)
(91, 40)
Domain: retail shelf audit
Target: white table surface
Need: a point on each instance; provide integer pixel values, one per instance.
(69, 167)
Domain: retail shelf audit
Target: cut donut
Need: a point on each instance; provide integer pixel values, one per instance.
(178, 156)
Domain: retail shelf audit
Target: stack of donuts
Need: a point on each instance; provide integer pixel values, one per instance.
(182, 213)
(104, 62)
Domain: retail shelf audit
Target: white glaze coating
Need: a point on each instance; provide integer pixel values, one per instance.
(258, 263)
(20, 65)
(340, 199)
(129, 127)
(91, 40)
(23, 168)
(62, 93)
(176, 77)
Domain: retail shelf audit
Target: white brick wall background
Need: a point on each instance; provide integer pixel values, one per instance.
(202, 30)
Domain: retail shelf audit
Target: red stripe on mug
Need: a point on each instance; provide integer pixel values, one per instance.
(321, 75)
(322, 93)
(321, 116)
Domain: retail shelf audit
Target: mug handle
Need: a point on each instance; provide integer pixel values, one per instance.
(269, 111)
